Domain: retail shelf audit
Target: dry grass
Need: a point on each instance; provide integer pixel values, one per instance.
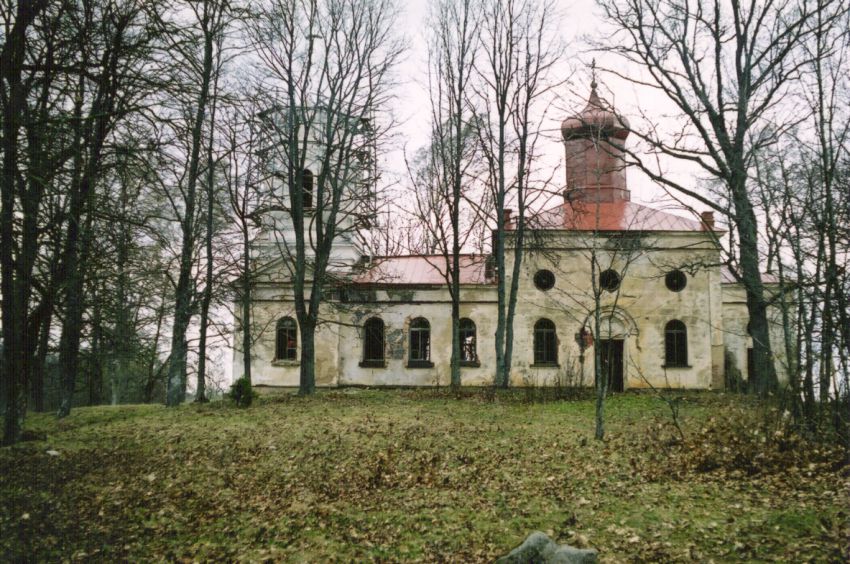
(406, 475)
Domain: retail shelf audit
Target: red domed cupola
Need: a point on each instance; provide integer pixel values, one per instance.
(594, 160)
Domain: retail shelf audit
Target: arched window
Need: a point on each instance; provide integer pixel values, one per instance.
(373, 342)
(420, 343)
(468, 338)
(307, 187)
(545, 342)
(286, 343)
(675, 344)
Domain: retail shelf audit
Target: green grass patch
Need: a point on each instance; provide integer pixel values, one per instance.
(418, 475)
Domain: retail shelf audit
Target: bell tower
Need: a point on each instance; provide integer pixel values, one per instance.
(595, 167)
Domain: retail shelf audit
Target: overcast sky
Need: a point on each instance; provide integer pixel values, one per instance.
(578, 21)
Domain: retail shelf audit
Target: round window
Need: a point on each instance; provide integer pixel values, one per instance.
(676, 280)
(609, 280)
(544, 280)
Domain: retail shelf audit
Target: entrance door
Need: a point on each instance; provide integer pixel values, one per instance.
(612, 363)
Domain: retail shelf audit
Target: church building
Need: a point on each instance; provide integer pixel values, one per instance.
(644, 286)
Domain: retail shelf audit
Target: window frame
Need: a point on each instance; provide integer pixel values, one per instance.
(675, 344)
(307, 185)
(370, 327)
(290, 349)
(466, 325)
(419, 334)
(545, 343)
(674, 276)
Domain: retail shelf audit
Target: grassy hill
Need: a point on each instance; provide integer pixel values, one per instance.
(419, 475)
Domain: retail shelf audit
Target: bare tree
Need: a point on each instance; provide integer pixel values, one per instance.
(86, 71)
(453, 38)
(241, 127)
(593, 301)
(211, 193)
(727, 69)
(518, 51)
(801, 185)
(115, 39)
(211, 18)
(16, 286)
(327, 66)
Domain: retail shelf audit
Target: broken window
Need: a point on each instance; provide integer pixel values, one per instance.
(675, 344)
(609, 280)
(373, 341)
(286, 343)
(676, 280)
(545, 342)
(544, 280)
(420, 342)
(468, 353)
(307, 188)
(490, 267)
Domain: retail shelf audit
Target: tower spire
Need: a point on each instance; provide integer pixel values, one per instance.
(593, 139)
(593, 75)
(593, 100)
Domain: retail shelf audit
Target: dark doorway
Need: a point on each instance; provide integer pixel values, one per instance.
(611, 351)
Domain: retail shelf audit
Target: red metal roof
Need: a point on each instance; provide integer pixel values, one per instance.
(422, 269)
(618, 215)
(597, 116)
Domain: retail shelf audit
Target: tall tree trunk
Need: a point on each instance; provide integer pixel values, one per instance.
(92, 137)
(200, 394)
(307, 382)
(455, 290)
(765, 371)
(69, 340)
(14, 287)
(519, 232)
(77, 245)
(600, 380)
(123, 330)
(150, 381)
(246, 304)
(184, 293)
(504, 334)
(95, 369)
(201, 386)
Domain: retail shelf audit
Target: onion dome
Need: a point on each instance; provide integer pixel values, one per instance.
(597, 118)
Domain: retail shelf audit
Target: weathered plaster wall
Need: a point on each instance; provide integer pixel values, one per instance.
(397, 309)
(736, 338)
(269, 306)
(643, 306)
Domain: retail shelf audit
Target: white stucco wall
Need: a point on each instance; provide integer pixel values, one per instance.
(643, 306)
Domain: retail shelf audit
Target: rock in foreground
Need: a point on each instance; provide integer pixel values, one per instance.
(538, 548)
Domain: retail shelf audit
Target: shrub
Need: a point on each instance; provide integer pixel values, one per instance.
(242, 393)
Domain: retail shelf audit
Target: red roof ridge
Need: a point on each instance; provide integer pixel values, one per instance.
(421, 269)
